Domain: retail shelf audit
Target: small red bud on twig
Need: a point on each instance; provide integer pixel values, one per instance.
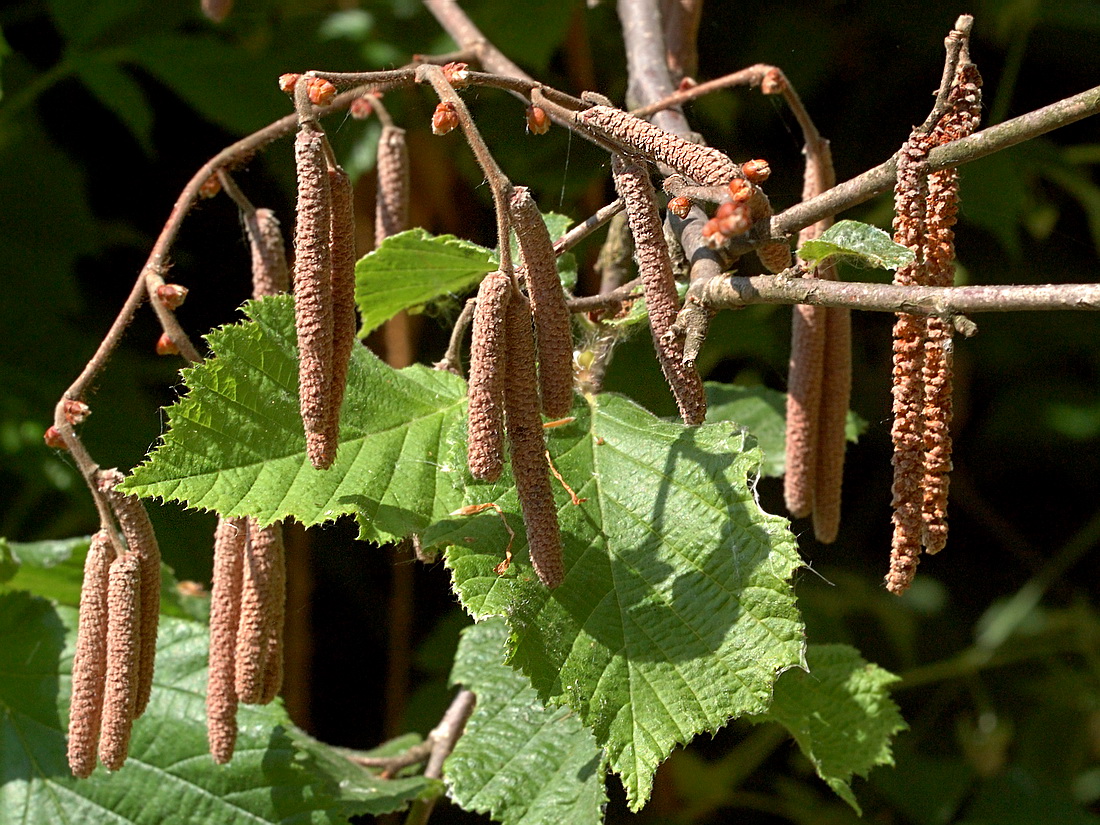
(538, 122)
(288, 81)
(444, 119)
(457, 74)
(321, 91)
(756, 171)
(774, 82)
(680, 206)
(210, 187)
(166, 346)
(76, 411)
(172, 295)
(361, 108)
(53, 438)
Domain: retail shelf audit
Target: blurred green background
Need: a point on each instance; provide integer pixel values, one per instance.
(109, 107)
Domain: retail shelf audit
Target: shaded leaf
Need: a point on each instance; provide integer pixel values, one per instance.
(676, 611)
(122, 95)
(414, 268)
(856, 243)
(763, 412)
(840, 713)
(517, 760)
(279, 774)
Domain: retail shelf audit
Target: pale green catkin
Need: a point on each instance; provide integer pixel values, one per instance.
(90, 659)
(553, 328)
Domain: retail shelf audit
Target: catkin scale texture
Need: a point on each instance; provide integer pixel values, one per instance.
(136, 528)
(553, 329)
(528, 448)
(262, 606)
(391, 213)
(225, 604)
(705, 166)
(344, 321)
(313, 294)
(90, 660)
(485, 391)
(268, 542)
(123, 659)
(270, 274)
(655, 268)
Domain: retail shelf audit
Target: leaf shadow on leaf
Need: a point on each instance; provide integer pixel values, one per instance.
(29, 718)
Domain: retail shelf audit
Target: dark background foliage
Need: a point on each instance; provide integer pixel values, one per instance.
(109, 107)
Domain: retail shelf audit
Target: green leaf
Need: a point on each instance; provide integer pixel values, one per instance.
(236, 445)
(676, 612)
(840, 713)
(856, 243)
(763, 412)
(517, 760)
(415, 268)
(279, 774)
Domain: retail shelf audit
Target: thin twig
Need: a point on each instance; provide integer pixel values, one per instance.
(582, 230)
(452, 358)
(626, 292)
(443, 738)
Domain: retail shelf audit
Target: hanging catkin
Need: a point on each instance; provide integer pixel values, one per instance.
(485, 392)
(528, 447)
(553, 329)
(123, 659)
(262, 605)
(265, 239)
(344, 322)
(391, 213)
(705, 166)
(313, 294)
(136, 528)
(655, 267)
(90, 660)
(268, 543)
(225, 605)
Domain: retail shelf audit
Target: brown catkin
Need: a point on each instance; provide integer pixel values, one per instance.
(141, 539)
(553, 329)
(485, 392)
(528, 447)
(705, 166)
(655, 268)
(90, 659)
(836, 390)
(270, 274)
(259, 612)
(344, 320)
(313, 294)
(803, 407)
(225, 603)
(391, 214)
(268, 541)
(123, 659)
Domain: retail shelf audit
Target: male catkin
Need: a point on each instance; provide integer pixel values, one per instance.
(123, 659)
(260, 609)
(705, 166)
(344, 321)
(268, 543)
(554, 334)
(270, 274)
(90, 659)
(225, 604)
(485, 392)
(313, 294)
(391, 214)
(655, 268)
(528, 447)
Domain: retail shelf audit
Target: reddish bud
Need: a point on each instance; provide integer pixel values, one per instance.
(444, 119)
(538, 122)
(210, 187)
(737, 221)
(680, 206)
(773, 83)
(288, 81)
(457, 74)
(172, 295)
(687, 83)
(166, 346)
(756, 171)
(740, 190)
(321, 91)
(76, 411)
(361, 108)
(53, 438)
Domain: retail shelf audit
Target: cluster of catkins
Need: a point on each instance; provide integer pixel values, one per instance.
(926, 206)
(112, 674)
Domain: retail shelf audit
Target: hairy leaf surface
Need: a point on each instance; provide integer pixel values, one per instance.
(856, 243)
(278, 774)
(518, 760)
